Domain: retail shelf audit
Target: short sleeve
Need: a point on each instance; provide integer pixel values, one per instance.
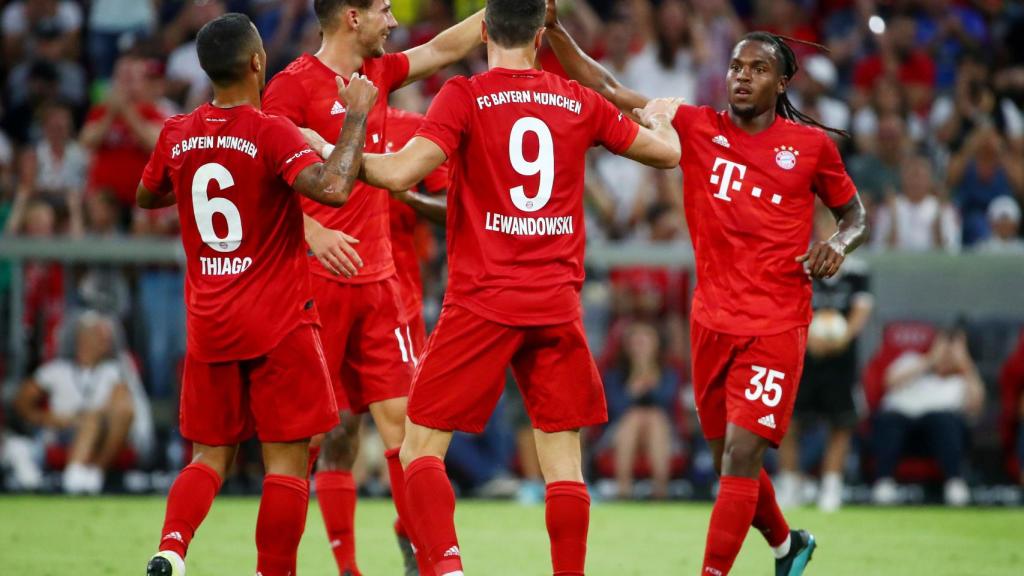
(394, 71)
(287, 151)
(831, 182)
(614, 130)
(156, 177)
(685, 117)
(284, 97)
(448, 117)
(46, 376)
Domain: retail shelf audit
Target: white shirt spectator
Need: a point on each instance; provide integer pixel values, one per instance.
(927, 393)
(944, 107)
(183, 65)
(61, 174)
(865, 123)
(68, 18)
(646, 75)
(119, 15)
(915, 224)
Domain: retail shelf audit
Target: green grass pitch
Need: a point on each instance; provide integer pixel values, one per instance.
(55, 536)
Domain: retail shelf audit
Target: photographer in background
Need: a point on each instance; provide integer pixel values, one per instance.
(842, 306)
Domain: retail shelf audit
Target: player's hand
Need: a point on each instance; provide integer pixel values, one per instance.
(823, 259)
(334, 249)
(359, 95)
(658, 107)
(551, 14)
(315, 141)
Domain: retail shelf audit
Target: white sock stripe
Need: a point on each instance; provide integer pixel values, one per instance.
(401, 344)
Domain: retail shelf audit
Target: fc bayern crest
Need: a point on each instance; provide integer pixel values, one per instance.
(785, 157)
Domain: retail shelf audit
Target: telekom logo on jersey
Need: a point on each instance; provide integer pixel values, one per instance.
(730, 178)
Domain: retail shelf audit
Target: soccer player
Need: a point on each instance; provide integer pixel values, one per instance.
(517, 139)
(751, 174)
(367, 344)
(254, 361)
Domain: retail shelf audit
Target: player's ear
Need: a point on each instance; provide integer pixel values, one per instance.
(783, 82)
(255, 62)
(538, 38)
(351, 18)
(483, 32)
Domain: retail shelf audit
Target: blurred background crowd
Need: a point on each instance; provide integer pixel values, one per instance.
(931, 92)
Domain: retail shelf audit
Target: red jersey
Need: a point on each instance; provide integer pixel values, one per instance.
(750, 204)
(247, 277)
(305, 92)
(402, 125)
(120, 158)
(516, 141)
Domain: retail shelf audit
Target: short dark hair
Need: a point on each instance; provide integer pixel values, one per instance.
(514, 22)
(326, 10)
(225, 45)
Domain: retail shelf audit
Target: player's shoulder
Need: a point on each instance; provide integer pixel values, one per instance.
(294, 75)
(688, 114)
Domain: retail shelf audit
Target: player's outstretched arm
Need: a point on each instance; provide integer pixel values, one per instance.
(586, 70)
(400, 171)
(657, 143)
(824, 257)
(445, 49)
(331, 183)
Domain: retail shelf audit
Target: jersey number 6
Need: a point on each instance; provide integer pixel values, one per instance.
(205, 207)
(766, 389)
(544, 164)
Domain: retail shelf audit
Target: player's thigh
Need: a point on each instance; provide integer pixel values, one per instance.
(291, 397)
(763, 382)
(559, 381)
(214, 407)
(711, 353)
(378, 362)
(560, 455)
(461, 375)
(337, 307)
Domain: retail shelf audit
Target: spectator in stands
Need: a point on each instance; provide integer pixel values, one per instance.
(875, 169)
(929, 396)
(188, 85)
(22, 122)
(974, 102)
(49, 49)
(813, 87)
(56, 167)
(112, 24)
(947, 30)
(85, 402)
(673, 49)
(827, 387)
(898, 59)
(846, 33)
(122, 131)
(722, 29)
(480, 462)
(641, 391)
(1004, 225)
(21, 16)
(917, 219)
(984, 169)
(888, 98)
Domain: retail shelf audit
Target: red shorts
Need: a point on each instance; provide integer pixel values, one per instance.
(282, 396)
(750, 381)
(366, 343)
(462, 374)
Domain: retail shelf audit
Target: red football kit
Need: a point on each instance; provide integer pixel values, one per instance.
(254, 358)
(402, 126)
(365, 336)
(516, 142)
(750, 203)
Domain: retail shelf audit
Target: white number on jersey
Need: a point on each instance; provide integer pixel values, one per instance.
(544, 164)
(205, 207)
(767, 390)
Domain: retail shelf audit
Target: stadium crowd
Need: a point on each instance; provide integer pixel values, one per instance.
(930, 91)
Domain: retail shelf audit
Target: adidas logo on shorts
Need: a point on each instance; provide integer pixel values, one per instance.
(453, 551)
(768, 421)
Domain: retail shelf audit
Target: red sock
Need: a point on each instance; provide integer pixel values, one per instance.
(188, 502)
(336, 492)
(431, 503)
(567, 513)
(768, 518)
(280, 523)
(730, 521)
(314, 453)
(403, 527)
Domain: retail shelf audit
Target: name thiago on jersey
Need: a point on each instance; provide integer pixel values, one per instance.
(209, 142)
(224, 266)
(528, 97)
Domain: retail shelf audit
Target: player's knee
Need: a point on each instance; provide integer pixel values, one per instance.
(740, 457)
(339, 448)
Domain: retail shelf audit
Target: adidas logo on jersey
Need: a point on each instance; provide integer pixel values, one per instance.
(337, 108)
(451, 552)
(174, 536)
(721, 141)
(768, 421)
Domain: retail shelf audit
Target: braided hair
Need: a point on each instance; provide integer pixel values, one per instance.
(790, 66)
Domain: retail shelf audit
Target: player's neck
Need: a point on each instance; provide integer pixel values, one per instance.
(754, 124)
(340, 53)
(235, 96)
(510, 58)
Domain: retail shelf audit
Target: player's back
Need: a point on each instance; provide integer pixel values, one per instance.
(247, 282)
(515, 209)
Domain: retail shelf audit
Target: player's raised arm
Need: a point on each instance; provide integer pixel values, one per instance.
(657, 143)
(445, 49)
(402, 170)
(586, 70)
(331, 183)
